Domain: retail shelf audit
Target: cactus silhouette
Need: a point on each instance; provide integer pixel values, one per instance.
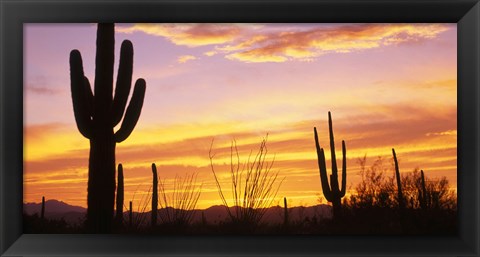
(422, 194)
(120, 196)
(42, 213)
(332, 192)
(285, 212)
(130, 215)
(154, 195)
(401, 203)
(96, 115)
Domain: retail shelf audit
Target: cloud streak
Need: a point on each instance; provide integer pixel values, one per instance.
(431, 146)
(191, 35)
(253, 44)
(186, 58)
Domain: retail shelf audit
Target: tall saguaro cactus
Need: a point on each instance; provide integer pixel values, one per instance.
(154, 195)
(120, 195)
(401, 203)
(333, 193)
(96, 115)
(42, 212)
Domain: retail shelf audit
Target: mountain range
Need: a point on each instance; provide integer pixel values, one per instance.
(55, 209)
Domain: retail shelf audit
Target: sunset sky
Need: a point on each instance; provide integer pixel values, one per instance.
(387, 85)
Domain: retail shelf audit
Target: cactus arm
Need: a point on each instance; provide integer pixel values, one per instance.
(133, 112)
(332, 146)
(89, 96)
(104, 68)
(79, 97)
(344, 170)
(124, 81)
(399, 184)
(322, 168)
(327, 191)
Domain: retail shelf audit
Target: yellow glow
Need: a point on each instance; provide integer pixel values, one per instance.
(254, 57)
(372, 113)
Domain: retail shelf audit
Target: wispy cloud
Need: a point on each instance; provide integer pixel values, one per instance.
(442, 133)
(40, 85)
(186, 58)
(42, 90)
(210, 53)
(189, 34)
(253, 44)
(290, 45)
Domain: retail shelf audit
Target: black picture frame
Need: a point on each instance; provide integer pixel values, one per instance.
(13, 13)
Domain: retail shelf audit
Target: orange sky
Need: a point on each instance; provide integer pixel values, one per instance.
(386, 86)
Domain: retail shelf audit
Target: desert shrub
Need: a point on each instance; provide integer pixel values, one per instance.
(378, 190)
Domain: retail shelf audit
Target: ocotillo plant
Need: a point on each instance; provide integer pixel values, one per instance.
(154, 195)
(42, 213)
(96, 116)
(285, 212)
(120, 196)
(422, 195)
(401, 203)
(332, 192)
(253, 186)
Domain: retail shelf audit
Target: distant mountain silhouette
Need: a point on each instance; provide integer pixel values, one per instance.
(51, 206)
(55, 209)
(274, 215)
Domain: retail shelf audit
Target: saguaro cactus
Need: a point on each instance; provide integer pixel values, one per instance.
(422, 195)
(154, 195)
(285, 212)
(120, 195)
(96, 116)
(401, 203)
(130, 215)
(332, 192)
(42, 212)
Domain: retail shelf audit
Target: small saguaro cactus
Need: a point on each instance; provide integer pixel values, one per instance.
(422, 195)
(120, 196)
(96, 115)
(42, 213)
(154, 195)
(130, 215)
(333, 193)
(401, 202)
(285, 212)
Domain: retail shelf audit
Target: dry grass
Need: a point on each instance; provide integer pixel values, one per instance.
(179, 204)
